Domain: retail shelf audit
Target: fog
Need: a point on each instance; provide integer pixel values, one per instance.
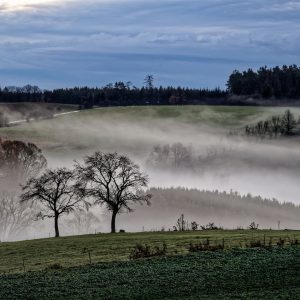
(220, 161)
(262, 167)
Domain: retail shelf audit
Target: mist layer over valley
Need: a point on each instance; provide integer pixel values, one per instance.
(177, 146)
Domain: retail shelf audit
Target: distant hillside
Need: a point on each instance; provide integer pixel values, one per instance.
(230, 210)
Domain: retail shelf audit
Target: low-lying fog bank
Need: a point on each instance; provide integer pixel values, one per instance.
(201, 155)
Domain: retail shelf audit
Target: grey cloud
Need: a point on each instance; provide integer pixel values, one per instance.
(124, 38)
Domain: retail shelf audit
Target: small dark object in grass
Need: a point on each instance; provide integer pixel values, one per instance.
(255, 244)
(280, 242)
(122, 231)
(55, 266)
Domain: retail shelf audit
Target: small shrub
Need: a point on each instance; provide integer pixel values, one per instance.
(270, 242)
(210, 226)
(280, 242)
(253, 226)
(182, 224)
(144, 251)
(194, 226)
(205, 246)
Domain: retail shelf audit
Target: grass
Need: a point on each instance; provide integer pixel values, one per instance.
(74, 251)
(234, 274)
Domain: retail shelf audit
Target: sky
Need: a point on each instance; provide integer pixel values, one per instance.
(189, 43)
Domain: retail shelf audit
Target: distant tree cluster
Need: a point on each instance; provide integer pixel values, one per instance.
(178, 156)
(116, 94)
(172, 156)
(277, 82)
(27, 93)
(279, 125)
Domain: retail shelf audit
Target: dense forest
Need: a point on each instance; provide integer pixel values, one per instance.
(117, 94)
(277, 82)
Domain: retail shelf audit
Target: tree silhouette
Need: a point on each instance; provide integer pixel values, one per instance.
(148, 81)
(56, 192)
(113, 180)
(20, 161)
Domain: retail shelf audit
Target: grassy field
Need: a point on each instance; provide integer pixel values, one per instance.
(74, 251)
(235, 274)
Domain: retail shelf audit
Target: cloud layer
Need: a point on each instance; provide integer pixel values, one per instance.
(190, 43)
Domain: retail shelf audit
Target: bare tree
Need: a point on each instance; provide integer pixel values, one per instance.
(113, 180)
(83, 222)
(182, 224)
(15, 217)
(288, 123)
(20, 161)
(56, 192)
(181, 155)
(276, 125)
(172, 156)
(148, 81)
(3, 119)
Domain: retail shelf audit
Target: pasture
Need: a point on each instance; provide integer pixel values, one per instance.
(34, 255)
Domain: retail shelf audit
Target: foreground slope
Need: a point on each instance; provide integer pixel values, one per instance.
(235, 274)
(71, 251)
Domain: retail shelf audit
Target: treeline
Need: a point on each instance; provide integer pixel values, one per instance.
(277, 82)
(117, 94)
(265, 83)
(275, 126)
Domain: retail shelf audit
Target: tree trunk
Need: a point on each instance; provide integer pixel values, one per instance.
(113, 221)
(56, 225)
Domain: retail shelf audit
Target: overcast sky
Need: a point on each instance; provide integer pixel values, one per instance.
(188, 42)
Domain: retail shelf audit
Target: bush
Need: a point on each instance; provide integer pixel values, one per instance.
(205, 246)
(194, 226)
(144, 251)
(210, 226)
(253, 226)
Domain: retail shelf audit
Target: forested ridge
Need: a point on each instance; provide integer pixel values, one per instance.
(228, 209)
(275, 83)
